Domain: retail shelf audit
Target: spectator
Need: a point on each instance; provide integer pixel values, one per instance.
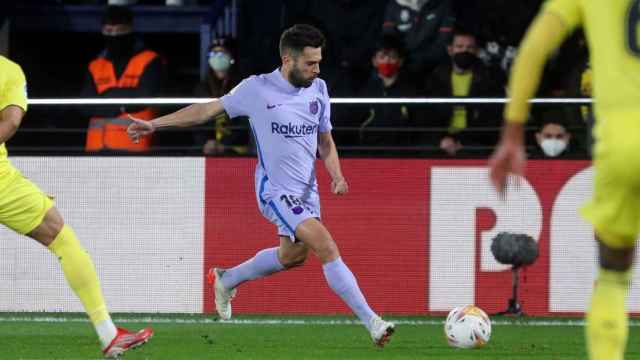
(553, 140)
(125, 68)
(500, 24)
(463, 76)
(425, 26)
(351, 37)
(221, 78)
(388, 79)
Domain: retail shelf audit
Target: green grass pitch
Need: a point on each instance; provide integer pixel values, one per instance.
(192, 337)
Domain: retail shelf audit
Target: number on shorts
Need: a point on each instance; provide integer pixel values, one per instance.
(631, 31)
(285, 199)
(290, 200)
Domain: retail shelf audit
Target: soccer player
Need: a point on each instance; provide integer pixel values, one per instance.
(611, 29)
(289, 113)
(25, 209)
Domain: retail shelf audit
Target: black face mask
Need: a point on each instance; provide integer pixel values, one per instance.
(120, 45)
(464, 60)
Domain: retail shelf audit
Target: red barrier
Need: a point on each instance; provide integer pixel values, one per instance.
(382, 229)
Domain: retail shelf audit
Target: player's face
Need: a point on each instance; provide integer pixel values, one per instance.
(305, 67)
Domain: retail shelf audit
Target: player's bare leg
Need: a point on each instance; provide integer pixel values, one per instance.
(607, 323)
(292, 254)
(82, 278)
(341, 280)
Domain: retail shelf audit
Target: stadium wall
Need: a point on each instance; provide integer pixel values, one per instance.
(416, 233)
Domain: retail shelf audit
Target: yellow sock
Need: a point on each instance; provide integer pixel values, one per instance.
(607, 323)
(80, 273)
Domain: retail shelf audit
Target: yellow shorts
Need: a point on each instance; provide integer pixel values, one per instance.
(614, 209)
(22, 204)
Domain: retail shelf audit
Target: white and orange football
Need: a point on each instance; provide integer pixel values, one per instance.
(467, 327)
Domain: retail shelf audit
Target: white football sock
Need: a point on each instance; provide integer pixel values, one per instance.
(106, 332)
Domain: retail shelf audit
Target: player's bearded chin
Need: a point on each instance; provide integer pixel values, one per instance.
(297, 79)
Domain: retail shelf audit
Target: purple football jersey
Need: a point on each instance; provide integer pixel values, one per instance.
(285, 121)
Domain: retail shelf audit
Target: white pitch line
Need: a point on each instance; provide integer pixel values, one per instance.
(275, 321)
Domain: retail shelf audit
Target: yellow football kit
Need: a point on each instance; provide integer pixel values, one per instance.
(22, 204)
(612, 29)
(23, 207)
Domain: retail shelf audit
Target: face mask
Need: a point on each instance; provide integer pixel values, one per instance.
(464, 60)
(219, 61)
(120, 44)
(388, 69)
(553, 147)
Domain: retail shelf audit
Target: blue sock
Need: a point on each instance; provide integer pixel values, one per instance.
(264, 263)
(344, 284)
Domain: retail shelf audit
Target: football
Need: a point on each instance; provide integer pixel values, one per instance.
(467, 327)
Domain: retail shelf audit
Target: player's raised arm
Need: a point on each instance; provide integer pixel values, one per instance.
(188, 116)
(545, 34)
(329, 154)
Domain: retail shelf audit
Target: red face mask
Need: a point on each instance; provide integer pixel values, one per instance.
(388, 69)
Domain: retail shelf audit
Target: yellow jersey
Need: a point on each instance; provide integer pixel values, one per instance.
(612, 31)
(13, 91)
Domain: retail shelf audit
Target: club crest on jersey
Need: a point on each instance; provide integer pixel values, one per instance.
(314, 107)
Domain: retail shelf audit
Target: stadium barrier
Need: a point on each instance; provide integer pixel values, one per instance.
(350, 135)
(416, 233)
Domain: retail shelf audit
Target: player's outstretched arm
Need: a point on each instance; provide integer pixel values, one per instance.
(329, 154)
(188, 116)
(545, 34)
(10, 120)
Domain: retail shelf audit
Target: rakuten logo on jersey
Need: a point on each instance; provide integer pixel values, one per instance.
(293, 130)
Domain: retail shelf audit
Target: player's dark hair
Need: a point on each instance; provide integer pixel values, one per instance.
(117, 15)
(299, 36)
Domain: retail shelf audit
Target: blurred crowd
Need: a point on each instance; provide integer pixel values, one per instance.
(375, 48)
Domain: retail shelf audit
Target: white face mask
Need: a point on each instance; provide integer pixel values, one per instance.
(219, 61)
(553, 147)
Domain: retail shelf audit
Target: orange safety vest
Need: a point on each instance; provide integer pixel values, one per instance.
(111, 133)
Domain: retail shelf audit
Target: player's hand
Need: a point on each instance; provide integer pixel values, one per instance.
(139, 128)
(509, 156)
(339, 186)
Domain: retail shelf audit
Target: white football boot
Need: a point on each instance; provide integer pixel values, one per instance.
(223, 295)
(380, 330)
